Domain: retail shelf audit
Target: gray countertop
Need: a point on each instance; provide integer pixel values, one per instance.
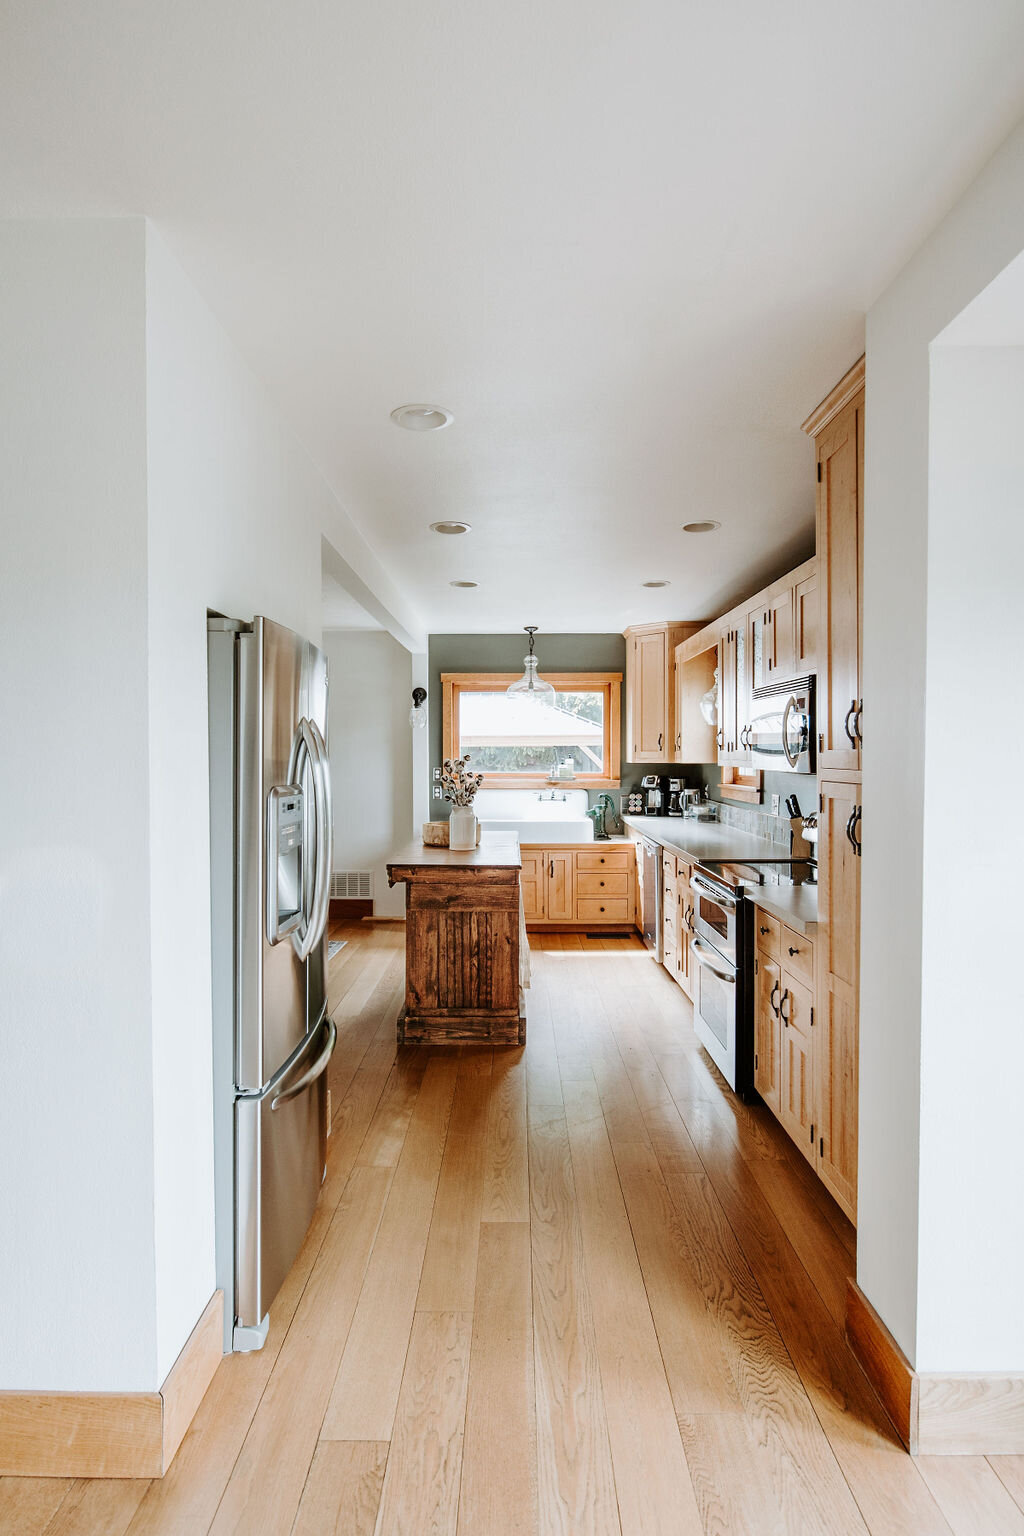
(796, 905)
(703, 839)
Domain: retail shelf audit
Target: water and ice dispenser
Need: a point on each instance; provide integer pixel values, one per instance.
(284, 860)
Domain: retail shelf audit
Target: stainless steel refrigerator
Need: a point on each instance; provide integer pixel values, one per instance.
(271, 856)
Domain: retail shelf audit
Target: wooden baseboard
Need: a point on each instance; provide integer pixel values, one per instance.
(884, 1363)
(350, 907)
(955, 1414)
(111, 1434)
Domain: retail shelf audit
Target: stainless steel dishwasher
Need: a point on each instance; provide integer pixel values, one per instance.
(650, 896)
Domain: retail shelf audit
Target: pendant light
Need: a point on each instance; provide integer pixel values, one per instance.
(530, 686)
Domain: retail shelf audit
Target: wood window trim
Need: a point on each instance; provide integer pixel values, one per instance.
(610, 683)
(737, 785)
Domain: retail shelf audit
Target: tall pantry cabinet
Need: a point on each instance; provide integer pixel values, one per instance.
(837, 427)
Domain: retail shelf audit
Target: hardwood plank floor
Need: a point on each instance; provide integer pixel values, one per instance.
(571, 1289)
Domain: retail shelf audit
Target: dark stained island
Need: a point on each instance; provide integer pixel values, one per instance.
(462, 943)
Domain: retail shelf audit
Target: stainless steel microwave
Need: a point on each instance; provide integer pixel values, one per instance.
(780, 736)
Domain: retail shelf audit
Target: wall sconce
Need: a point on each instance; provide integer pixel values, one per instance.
(418, 715)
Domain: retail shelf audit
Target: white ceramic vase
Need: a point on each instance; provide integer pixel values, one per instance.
(462, 834)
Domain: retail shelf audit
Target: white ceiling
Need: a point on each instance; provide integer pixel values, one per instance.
(629, 246)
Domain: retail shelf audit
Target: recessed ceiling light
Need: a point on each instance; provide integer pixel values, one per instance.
(655, 583)
(706, 527)
(462, 583)
(421, 418)
(451, 527)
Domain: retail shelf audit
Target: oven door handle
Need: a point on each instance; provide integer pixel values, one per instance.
(700, 950)
(717, 896)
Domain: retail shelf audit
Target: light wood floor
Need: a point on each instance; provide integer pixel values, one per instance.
(574, 1289)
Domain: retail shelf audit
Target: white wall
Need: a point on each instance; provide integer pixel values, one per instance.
(76, 1155)
(235, 513)
(371, 751)
(972, 1034)
(978, 238)
(144, 478)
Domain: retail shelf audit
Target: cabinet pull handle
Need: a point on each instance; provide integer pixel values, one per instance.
(783, 1015)
(854, 839)
(551, 869)
(857, 719)
(846, 723)
(771, 1000)
(720, 738)
(849, 829)
(793, 951)
(660, 735)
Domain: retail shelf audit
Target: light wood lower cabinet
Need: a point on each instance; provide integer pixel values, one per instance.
(787, 1031)
(839, 836)
(677, 917)
(594, 886)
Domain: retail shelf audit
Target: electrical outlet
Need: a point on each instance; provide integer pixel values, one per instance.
(775, 804)
(437, 791)
(437, 777)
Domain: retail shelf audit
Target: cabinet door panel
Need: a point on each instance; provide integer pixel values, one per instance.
(779, 637)
(797, 1078)
(839, 597)
(532, 878)
(767, 1028)
(727, 696)
(805, 626)
(839, 879)
(560, 895)
(836, 1044)
(650, 707)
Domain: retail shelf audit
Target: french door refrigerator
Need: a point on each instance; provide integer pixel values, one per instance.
(271, 856)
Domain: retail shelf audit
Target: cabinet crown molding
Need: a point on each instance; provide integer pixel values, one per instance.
(834, 401)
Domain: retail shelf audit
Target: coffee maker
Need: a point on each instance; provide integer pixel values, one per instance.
(675, 797)
(652, 786)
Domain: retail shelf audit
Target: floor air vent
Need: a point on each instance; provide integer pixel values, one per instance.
(352, 885)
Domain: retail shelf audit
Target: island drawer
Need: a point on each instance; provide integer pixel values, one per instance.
(767, 930)
(610, 859)
(600, 909)
(610, 882)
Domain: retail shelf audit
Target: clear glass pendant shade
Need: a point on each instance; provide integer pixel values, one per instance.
(531, 685)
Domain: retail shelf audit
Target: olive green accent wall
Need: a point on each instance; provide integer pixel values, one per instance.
(577, 653)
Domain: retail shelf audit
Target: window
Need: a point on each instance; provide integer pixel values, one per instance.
(517, 742)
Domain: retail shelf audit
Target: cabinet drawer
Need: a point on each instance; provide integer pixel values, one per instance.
(609, 883)
(597, 909)
(611, 858)
(798, 955)
(767, 931)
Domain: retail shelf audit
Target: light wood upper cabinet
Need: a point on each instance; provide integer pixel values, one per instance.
(695, 740)
(805, 625)
(651, 690)
(778, 641)
(840, 523)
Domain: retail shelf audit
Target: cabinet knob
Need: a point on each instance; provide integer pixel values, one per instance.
(768, 930)
(793, 951)
(602, 909)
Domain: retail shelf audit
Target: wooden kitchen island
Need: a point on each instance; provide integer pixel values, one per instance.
(462, 943)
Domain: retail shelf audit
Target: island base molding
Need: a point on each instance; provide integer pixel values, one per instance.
(441, 1027)
(112, 1434)
(950, 1414)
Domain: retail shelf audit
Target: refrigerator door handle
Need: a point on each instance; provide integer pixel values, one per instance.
(324, 836)
(309, 747)
(312, 1072)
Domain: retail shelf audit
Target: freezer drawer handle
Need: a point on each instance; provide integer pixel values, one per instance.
(313, 1071)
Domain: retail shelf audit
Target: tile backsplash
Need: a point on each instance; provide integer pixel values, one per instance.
(757, 822)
